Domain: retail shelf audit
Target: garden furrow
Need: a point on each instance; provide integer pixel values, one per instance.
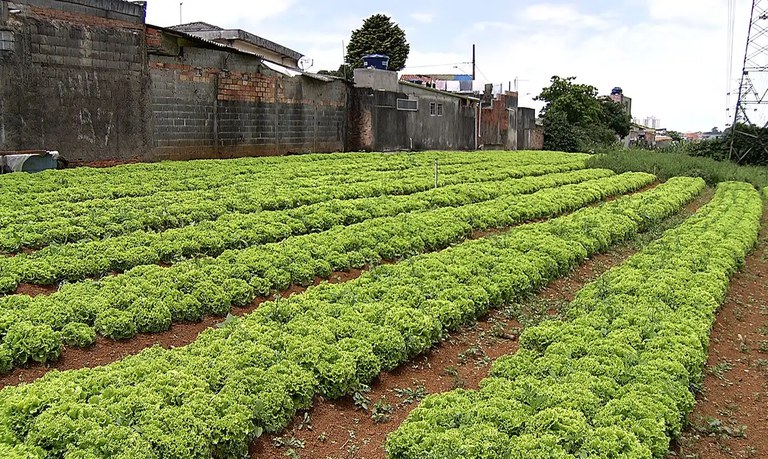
(615, 379)
(49, 224)
(150, 298)
(209, 399)
(77, 261)
(74, 185)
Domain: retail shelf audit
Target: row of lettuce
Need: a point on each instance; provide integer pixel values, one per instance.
(77, 261)
(615, 379)
(36, 226)
(212, 397)
(150, 298)
(143, 179)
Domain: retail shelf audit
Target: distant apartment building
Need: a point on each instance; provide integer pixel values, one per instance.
(649, 121)
(243, 41)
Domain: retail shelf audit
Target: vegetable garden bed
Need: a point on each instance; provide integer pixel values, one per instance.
(167, 250)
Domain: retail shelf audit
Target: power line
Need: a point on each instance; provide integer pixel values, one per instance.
(434, 65)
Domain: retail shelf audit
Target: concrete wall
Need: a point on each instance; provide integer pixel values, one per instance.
(379, 80)
(73, 78)
(526, 129)
(209, 103)
(376, 124)
(453, 130)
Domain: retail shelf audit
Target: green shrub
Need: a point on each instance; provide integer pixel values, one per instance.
(667, 165)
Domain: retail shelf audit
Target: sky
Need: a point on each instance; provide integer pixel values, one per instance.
(670, 56)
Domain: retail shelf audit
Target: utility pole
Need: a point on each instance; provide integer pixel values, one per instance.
(753, 88)
(474, 64)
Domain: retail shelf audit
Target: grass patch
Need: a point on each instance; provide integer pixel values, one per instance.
(667, 165)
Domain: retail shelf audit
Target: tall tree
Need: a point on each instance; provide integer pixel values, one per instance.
(576, 119)
(378, 35)
(615, 116)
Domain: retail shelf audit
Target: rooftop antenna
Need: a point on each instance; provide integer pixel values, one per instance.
(305, 63)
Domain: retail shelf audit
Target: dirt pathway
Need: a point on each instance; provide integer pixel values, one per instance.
(731, 417)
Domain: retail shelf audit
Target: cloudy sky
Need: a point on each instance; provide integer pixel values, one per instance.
(670, 56)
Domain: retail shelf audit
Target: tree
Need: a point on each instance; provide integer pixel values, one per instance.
(615, 117)
(675, 135)
(577, 101)
(576, 119)
(378, 35)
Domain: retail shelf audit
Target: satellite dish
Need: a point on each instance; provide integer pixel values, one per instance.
(305, 63)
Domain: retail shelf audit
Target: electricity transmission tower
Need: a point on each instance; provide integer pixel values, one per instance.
(752, 105)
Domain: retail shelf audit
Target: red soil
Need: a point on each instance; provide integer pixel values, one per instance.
(731, 419)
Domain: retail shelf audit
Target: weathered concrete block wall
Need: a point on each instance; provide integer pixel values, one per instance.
(208, 104)
(454, 129)
(75, 79)
(526, 130)
(376, 124)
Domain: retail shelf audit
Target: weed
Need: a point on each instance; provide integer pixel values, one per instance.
(306, 422)
(411, 395)
(474, 351)
(763, 347)
(362, 401)
(714, 427)
(292, 442)
(453, 372)
(720, 369)
(382, 411)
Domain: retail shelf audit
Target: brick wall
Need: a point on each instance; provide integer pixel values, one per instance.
(499, 123)
(75, 79)
(209, 102)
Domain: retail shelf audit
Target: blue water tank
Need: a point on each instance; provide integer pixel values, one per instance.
(376, 61)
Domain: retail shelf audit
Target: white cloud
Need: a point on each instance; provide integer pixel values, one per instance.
(425, 18)
(563, 15)
(702, 12)
(227, 13)
(674, 69)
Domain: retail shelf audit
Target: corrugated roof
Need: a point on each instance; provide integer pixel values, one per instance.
(211, 32)
(195, 27)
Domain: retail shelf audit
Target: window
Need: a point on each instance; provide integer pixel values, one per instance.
(409, 105)
(435, 109)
